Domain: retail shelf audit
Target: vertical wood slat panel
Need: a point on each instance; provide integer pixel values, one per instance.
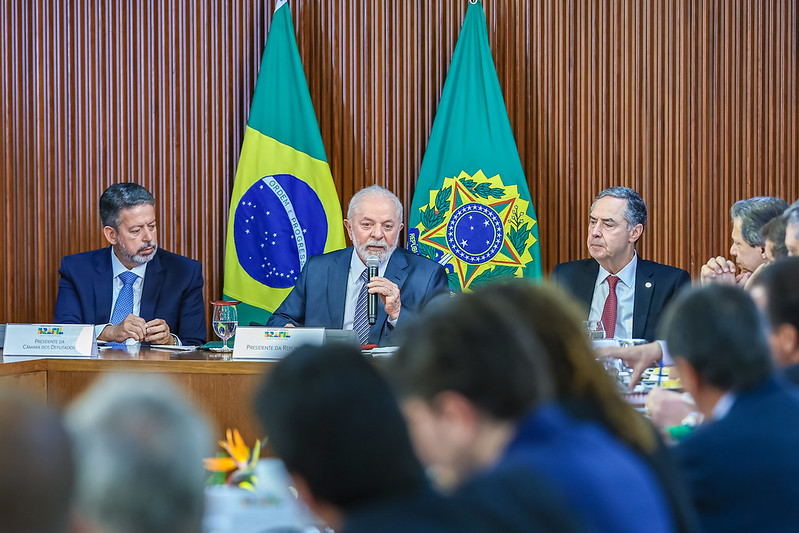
(694, 104)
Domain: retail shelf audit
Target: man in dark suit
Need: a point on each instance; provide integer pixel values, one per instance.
(741, 464)
(132, 290)
(328, 289)
(616, 286)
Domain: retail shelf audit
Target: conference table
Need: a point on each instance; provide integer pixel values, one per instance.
(221, 389)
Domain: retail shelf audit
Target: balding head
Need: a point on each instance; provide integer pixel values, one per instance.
(36, 469)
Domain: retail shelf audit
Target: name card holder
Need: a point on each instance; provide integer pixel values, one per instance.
(50, 340)
(273, 343)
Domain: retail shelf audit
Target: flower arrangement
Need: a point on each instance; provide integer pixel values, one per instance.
(238, 466)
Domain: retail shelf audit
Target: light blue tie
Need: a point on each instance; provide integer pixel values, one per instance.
(124, 304)
(361, 322)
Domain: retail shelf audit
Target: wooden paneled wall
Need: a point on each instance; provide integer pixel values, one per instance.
(691, 102)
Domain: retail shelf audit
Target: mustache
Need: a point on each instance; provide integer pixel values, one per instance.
(148, 244)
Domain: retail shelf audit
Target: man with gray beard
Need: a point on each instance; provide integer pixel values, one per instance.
(330, 286)
(131, 290)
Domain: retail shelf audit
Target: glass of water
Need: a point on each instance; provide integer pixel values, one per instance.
(225, 320)
(595, 329)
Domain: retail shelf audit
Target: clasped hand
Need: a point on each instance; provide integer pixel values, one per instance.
(134, 327)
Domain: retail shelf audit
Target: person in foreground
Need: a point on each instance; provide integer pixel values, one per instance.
(484, 402)
(335, 424)
(131, 290)
(327, 291)
(139, 448)
(741, 463)
(37, 474)
(616, 286)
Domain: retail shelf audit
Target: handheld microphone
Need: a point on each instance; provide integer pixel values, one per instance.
(372, 264)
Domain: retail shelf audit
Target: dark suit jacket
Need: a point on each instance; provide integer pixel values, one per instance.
(655, 285)
(173, 291)
(742, 470)
(317, 299)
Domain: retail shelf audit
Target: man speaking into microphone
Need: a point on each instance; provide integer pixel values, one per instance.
(371, 287)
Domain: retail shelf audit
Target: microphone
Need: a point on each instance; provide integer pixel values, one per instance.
(372, 264)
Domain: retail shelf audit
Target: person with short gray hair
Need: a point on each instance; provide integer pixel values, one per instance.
(748, 249)
(139, 447)
(792, 229)
(132, 290)
(332, 291)
(618, 287)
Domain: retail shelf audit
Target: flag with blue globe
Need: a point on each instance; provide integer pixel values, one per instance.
(284, 207)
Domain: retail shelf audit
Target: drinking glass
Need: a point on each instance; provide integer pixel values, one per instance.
(595, 329)
(225, 320)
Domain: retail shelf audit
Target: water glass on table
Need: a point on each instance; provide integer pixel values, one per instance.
(225, 320)
(595, 329)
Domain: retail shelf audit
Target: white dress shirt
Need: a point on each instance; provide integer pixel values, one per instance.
(354, 285)
(625, 296)
(138, 286)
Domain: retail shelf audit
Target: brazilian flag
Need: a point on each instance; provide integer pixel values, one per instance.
(471, 209)
(284, 207)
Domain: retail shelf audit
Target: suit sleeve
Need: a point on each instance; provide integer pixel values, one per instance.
(436, 286)
(192, 330)
(292, 310)
(67, 305)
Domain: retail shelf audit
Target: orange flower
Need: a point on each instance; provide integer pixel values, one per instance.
(240, 464)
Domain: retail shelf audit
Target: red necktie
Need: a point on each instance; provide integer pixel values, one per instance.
(611, 305)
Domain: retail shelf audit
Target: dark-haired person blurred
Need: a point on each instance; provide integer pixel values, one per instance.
(776, 292)
(132, 290)
(774, 235)
(335, 424)
(484, 401)
(741, 463)
(37, 474)
(792, 229)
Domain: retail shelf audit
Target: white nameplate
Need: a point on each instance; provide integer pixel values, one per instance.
(273, 343)
(50, 340)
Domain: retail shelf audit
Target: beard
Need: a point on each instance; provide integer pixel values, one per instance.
(136, 257)
(383, 254)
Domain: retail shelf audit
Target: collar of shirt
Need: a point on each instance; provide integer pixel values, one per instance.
(626, 275)
(723, 406)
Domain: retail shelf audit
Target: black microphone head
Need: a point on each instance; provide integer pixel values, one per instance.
(372, 261)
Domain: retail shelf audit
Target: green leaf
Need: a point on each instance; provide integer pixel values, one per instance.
(429, 218)
(428, 251)
(469, 184)
(518, 237)
(454, 282)
(442, 200)
(498, 273)
(485, 190)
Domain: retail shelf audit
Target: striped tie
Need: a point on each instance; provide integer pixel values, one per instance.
(124, 304)
(361, 322)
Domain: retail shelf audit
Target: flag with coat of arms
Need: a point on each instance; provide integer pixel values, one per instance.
(284, 207)
(471, 209)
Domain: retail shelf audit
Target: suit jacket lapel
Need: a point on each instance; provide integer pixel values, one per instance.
(644, 287)
(337, 287)
(153, 281)
(584, 284)
(103, 285)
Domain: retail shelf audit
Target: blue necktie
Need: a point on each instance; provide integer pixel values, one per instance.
(361, 322)
(124, 304)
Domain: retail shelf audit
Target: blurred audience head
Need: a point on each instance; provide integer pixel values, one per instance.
(748, 218)
(776, 291)
(36, 468)
(774, 235)
(718, 339)
(579, 381)
(792, 229)
(139, 447)
(336, 425)
(468, 370)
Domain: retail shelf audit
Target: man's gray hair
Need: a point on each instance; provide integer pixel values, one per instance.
(635, 213)
(792, 219)
(372, 192)
(754, 213)
(139, 447)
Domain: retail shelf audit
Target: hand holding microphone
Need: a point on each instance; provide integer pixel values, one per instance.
(389, 292)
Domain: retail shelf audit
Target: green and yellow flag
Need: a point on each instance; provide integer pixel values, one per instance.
(471, 210)
(284, 207)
